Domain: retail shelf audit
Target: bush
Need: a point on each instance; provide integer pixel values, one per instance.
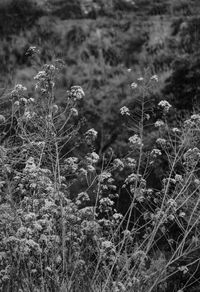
(60, 225)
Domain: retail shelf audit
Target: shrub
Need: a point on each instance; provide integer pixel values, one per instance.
(56, 236)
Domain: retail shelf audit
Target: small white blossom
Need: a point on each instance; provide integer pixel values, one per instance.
(135, 140)
(176, 130)
(183, 269)
(91, 135)
(134, 85)
(165, 105)
(117, 163)
(76, 92)
(178, 178)
(161, 141)
(74, 112)
(2, 119)
(182, 214)
(159, 124)
(41, 76)
(124, 111)
(155, 78)
(155, 153)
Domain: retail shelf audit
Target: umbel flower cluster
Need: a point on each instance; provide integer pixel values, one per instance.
(61, 227)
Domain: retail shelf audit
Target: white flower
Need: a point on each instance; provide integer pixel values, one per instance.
(2, 119)
(134, 85)
(159, 124)
(140, 79)
(161, 141)
(117, 216)
(74, 112)
(135, 140)
(77, 92)
(178, 178)
(155, 153)
(155, 77)
(41, 75)
(165, 105)
(183, 269)
(55, 108)
(18, 90)
(182, 214)
(176, 130)
(117, 163)
(91, 135)
(124, 111)
(92, 158)
(172, 203)
(106, 244)
(20, 87)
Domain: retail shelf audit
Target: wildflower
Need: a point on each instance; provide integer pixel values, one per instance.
(140, 79)
(30, 165)
(132, 178)
(2, 119)
(182, 214)
(104, 176)
(106, 244)
(178, 178)
(147, 117)
(106, 202)
(91, 135)
(55, 108)
(76, 92)
(134, 85)
(126, 233)
(130, 162)
(20, 87)
(172, 203)
(176, 130)
(161, 141)
(192, 156)
(71, 164)
(92, 158)
(154, 77)
(74, 112)
(18, 90)
(135, 140)
(124, 111)
(32, 50)
(183, 269)
(129, 69)
(16, 103)
(171, 217)
(159, 124)
(117, 163)
(82, 197)
(195, 117)
(117, 216)
(41, 76)
(28, 115)
(197, 182)
(90, 168)
(165, 105)
(155, 152)
(83, 171)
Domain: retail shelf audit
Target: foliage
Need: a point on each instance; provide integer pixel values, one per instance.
(61, 227)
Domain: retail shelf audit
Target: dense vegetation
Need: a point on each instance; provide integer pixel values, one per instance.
(99, 182)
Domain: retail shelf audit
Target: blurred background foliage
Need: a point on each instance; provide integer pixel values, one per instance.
(99, 41)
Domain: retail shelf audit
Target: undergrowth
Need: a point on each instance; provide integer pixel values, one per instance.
(60, 225)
